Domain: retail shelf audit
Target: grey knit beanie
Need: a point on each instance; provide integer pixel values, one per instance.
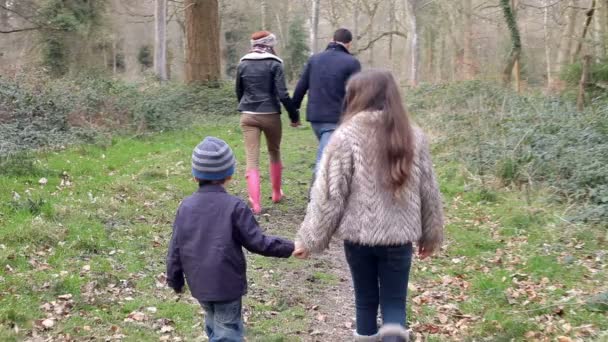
(212, 159)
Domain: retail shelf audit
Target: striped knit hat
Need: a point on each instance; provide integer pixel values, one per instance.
(212, 159)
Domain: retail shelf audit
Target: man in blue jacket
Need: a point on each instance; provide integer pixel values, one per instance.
(324, 78)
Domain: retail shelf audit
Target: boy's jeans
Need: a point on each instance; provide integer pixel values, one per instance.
(380, 276)
(223, 321)
(323, 131)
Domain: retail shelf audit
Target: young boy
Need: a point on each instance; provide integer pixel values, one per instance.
(210, 230)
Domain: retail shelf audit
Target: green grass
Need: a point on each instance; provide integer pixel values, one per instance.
(103, 240)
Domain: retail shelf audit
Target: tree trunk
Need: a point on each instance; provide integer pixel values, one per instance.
(429, 56)
(413, 37)
(114, 52)
(605, 26)
(580, 101)
(4, 24)
(356, 25)
(314, 26)
(371, 36)
(440, 59)
(598, 32)
(160, 40)
(516, 66)
(547, 44)
(565, 44)
(202, 42)
(391, 19)
(467, 59)
(264, 8)
(515, 41)
(588, 20)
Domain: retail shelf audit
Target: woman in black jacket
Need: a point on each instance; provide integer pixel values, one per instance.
(260, 89)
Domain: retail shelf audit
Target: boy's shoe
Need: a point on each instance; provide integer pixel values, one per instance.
(394, 332)
(276, 170)
(253, 187)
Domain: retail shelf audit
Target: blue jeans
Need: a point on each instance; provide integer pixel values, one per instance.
(380, 276)
(323, 131)
(223, 321)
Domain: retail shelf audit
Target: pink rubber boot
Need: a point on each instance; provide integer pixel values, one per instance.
(276, 170)
(253, 187)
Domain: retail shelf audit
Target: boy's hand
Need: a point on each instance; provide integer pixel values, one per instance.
(300, 251)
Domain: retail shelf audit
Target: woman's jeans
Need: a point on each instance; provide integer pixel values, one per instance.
(380, 276)
(223, 321)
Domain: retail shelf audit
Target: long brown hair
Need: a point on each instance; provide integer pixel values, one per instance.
(376, 90)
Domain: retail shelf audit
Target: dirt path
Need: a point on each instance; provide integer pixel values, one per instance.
(334, 309)
(322, 286)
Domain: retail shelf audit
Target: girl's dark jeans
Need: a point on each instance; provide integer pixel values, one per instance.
(380, 276)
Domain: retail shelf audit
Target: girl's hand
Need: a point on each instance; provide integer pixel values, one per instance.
(300, 251)
(424, 253)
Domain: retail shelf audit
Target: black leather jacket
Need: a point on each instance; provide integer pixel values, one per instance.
(260, 85)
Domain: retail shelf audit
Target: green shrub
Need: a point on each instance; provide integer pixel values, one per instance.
(521, 139)
(572, 73)
(41, 111)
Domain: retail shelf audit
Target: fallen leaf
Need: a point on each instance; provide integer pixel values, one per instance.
(166, 329)
(136, 316)
(48, 323)
(65, 297)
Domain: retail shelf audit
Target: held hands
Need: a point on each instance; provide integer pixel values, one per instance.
(300, 251)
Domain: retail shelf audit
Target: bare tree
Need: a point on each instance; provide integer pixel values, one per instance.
(467, 41)
(265, 15)
(413, 37)
(599, 26)
(160, 40)
(547, 37)
(202, 41)
(515, 41)
(392, 23)
(4, 14)
(565, 42)
(370, 9)
(588, 20)
(356, 23)
(314, 26)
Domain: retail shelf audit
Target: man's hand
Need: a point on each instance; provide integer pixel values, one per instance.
(300, 251)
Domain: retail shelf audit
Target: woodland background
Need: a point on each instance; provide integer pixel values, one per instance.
(101, 102)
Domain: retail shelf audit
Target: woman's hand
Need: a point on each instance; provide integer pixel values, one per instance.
(300, 251)
(423, 252)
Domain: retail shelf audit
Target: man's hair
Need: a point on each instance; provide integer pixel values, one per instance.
(343, 36)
